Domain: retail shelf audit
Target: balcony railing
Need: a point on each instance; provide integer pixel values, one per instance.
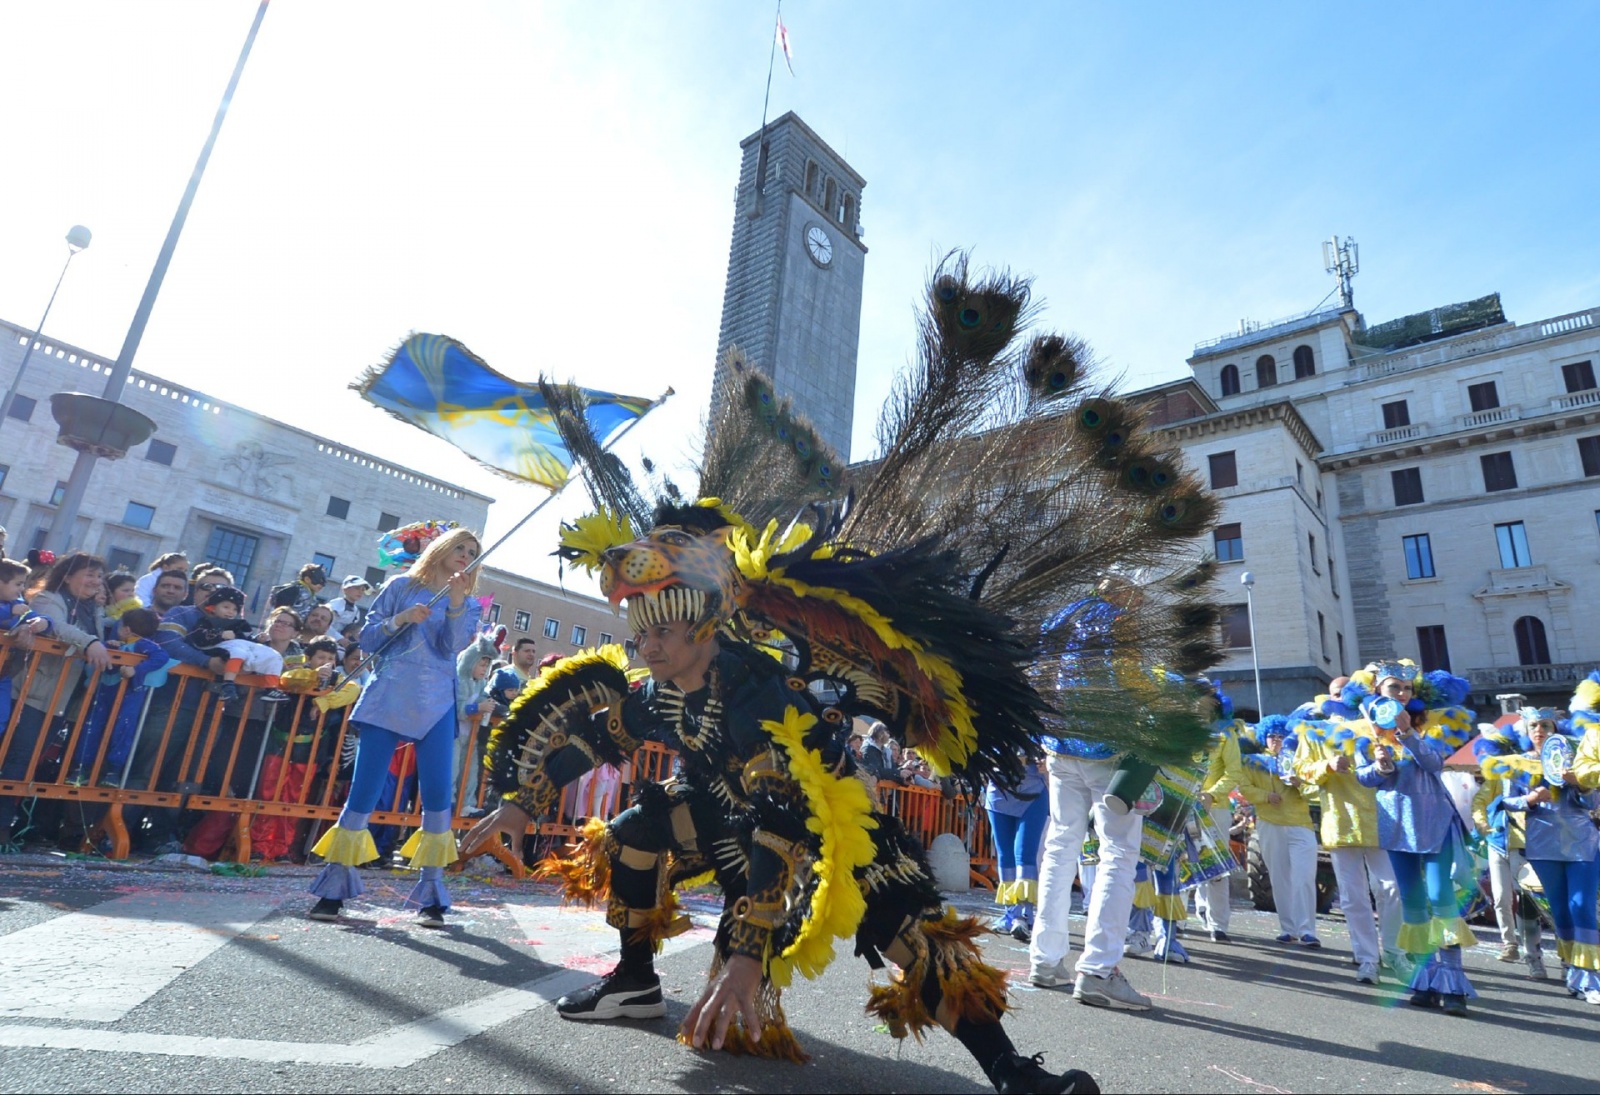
(1562, 675)
(1491, 417)
(1420, 357)
(1398, 434)
(1573, 401)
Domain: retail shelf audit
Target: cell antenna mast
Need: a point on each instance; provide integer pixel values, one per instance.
(1343, 261)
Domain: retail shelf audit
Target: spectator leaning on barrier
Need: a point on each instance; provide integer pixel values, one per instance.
(473, 697)
(21, 623)
(66, 597)
(314, 624)
(509, 681)
(145, 587)
(346, 607)
(301, 594)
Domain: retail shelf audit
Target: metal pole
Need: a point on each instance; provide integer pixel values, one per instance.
(16, 381)
(60, 534)
(1255, 656)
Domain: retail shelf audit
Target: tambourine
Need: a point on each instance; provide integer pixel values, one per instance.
(1556, 757)
(1384, 713)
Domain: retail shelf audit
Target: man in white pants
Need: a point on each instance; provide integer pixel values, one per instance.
(1367, 886)
(1079, 774)
(1506, 835)
(1213, 900)
(1283, 825)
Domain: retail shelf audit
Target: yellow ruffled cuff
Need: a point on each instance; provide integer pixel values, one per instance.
(1441, 931)
(430, 849)
(1017, 891)
(1585, 956)
(350, 847)
(1171, 906)
(1144, 895)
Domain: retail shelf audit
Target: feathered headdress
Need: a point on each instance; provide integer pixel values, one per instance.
(402, 546)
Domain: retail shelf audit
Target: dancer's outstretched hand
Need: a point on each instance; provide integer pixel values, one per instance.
(732, 994)
(509, 818)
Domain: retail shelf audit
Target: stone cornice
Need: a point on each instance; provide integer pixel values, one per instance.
(1263, 414)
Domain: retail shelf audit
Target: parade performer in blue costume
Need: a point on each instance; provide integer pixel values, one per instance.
(1017, 818)
(411, 698)
(1401, 748)
(1562, 842)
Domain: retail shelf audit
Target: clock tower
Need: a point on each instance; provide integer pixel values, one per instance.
(792, 305)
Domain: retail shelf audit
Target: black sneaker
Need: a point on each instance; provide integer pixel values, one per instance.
(326, 909)
(227, 691)
(621, 994)
(275, 695)
(1425, 998)
(1016, 1073)
(1022, 933)
(1454, 1003)
(1219, 936)
(431, 916)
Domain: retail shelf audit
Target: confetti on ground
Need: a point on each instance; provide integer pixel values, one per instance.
(1240, 1078)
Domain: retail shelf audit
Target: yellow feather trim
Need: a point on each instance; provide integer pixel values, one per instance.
(351, 847)
(1587, 697)
(954, 742)
(841, 814)
(611, 654)
(586, 877)
(777, 1041)
(426, 849)
(969, 988)
(1505, 767)
(589, 538)
(1017, 891)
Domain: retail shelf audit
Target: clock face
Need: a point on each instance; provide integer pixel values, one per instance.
(819, 245)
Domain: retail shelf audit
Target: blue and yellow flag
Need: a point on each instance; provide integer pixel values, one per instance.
(438, 384)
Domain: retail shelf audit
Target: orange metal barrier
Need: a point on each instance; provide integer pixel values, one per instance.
(190, 753)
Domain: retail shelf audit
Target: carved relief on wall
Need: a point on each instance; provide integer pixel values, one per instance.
(250, 467)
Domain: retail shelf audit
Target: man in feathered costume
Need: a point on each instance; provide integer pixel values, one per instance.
(925, 600)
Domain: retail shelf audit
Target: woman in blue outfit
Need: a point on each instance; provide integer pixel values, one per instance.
(411, 698)
(1562, 844)
(1017, 818)
(1419, 827)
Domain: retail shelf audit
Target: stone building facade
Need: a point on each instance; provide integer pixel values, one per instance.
(792, 304)
(1427, 488)
(216, 481)
(558, 620)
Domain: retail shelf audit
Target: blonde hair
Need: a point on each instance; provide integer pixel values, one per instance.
(432, 571)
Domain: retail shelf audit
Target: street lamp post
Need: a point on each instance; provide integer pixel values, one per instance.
(1248, 580)
(78, 238)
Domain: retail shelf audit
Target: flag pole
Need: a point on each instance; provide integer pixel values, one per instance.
(470, 567)
(761, 144)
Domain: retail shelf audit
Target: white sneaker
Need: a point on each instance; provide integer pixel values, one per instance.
(1138, 944)
(1112, 991)
(1050, 977)
(1536, 970)
(1592, 996)
(1367, 973)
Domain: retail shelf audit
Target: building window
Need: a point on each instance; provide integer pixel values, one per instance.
(1311, 543)
(1532, 646)
(811, 179)
(1299, 473)
(1224, 470)
(138, 515)
(1304, 363)
(524, 620)
(847, 215)
(234, 551)
(1396, 414)
(58, 492)
(552, 629)
(630, 647)
(1483, 397)
(338, 507)
(1236, 627)
(1230, 543)
(22, 407)
(1343, 661)
(1266, 371)
(1230, 380)
(387, 522)
(1407, 483)
(1499, 473)
(1333, 578)
(161, 452)
(1419, 556)
(1589, 453)
(376, 576)
(324, 561)
(122, 559)
(579, 634)
(1579, 376)
(5, 470)
(494, 613)
(830, 195)
(1432, 648)
(605, 638)
(1322, 637)
(1513, 540)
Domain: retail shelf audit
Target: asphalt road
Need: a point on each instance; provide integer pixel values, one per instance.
(133, 978)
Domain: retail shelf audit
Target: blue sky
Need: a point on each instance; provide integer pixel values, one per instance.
(552, 184)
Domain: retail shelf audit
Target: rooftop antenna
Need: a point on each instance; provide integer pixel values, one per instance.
(1343, 261)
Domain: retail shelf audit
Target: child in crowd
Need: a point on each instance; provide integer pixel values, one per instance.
(295, 750)
(21, 622)
(120, 597)
(224, 633)
(136, 630)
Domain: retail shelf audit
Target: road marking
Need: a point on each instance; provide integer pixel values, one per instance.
(97, 965)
